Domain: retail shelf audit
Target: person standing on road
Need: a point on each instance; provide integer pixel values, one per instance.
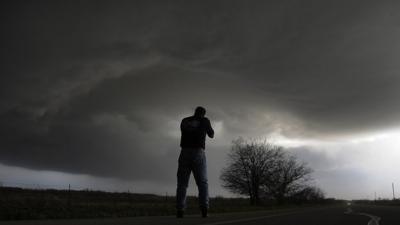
(193, 159)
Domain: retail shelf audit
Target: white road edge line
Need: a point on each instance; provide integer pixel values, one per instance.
(248, 219)
(374, 220)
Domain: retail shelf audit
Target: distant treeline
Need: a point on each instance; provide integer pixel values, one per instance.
(19, 203)
(395, 202)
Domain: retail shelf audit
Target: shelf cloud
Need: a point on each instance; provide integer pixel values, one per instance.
(99, 88)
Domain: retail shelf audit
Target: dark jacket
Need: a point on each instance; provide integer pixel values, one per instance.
(194, 130)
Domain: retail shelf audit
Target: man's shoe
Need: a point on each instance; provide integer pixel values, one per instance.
(204, 212)
(179, 213)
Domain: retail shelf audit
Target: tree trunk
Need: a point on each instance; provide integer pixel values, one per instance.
(255, 198)
(280, 199)
(252, 201)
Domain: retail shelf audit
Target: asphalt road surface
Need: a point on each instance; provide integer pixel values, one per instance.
(328, 215)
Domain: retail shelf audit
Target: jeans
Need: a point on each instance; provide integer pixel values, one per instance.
(192, 160)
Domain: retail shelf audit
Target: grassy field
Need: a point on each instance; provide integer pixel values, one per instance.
(18, 203)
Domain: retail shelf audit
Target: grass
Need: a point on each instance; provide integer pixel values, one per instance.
(18, 204)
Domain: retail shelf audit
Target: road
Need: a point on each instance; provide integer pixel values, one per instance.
(338, 215)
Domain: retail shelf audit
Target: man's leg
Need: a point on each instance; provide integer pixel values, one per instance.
(183, 176)
(200, 175)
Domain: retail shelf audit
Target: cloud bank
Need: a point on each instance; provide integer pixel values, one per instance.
(99, 88)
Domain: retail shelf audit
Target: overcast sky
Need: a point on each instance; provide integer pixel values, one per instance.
(92, 92)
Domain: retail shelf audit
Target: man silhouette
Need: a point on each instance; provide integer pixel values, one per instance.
(193, 159)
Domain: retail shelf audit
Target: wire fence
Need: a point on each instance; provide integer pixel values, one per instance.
(69, 186)
(32, 185)
(19, 200)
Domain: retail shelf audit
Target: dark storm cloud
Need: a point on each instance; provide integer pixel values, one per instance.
(99, 87)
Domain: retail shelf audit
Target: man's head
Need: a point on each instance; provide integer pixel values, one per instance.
(200, 111)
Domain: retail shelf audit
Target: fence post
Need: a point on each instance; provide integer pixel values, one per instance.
(69, 197)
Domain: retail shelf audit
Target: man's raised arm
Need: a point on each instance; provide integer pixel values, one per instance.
(210, 131)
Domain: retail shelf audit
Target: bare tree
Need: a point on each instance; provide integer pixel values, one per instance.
(288, 176)
(307, 194)
(260, 169)
(248, 164)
